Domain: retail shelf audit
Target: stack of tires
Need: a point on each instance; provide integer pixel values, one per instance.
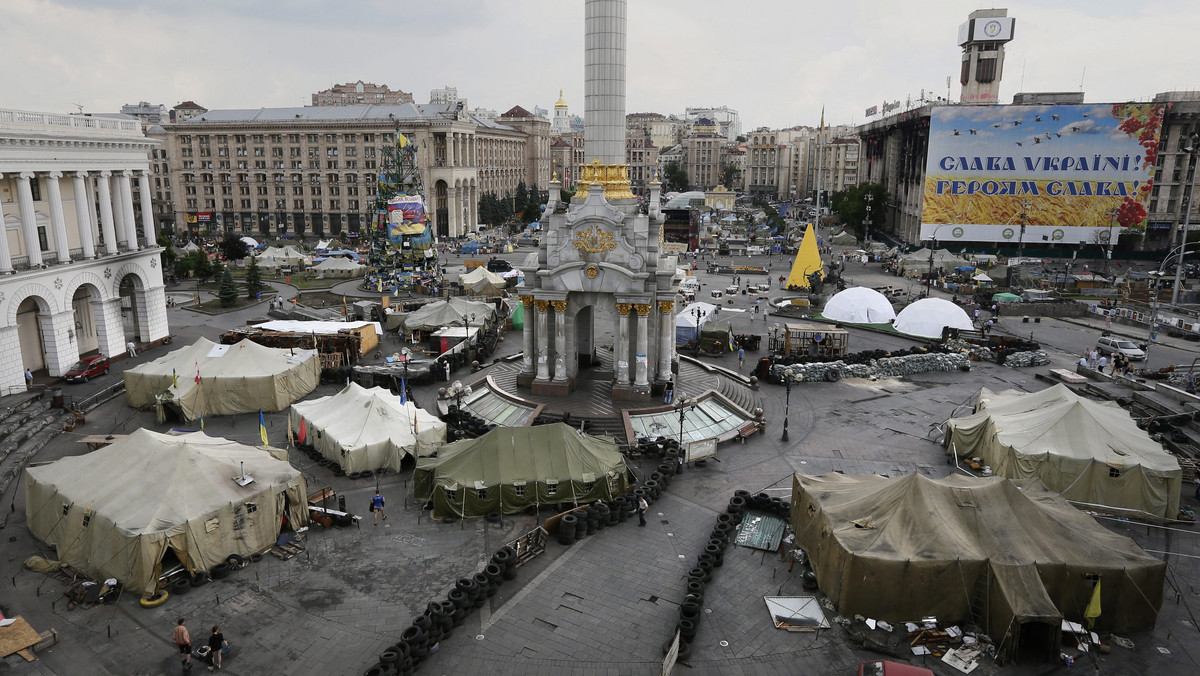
(441, 617)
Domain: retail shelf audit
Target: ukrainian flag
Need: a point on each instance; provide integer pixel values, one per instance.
(262, 428)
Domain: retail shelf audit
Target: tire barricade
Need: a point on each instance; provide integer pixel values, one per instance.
(442, 616)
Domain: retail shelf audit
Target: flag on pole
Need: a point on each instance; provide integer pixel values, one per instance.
(262, 428)
(403, 390)
(174, 379)
(201, 422)
(197, 373)
(1093, 607)
(402, 140)
(303, 432)
(291, 439)
(822, 119)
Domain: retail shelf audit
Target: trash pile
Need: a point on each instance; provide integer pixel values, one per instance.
(885, 367)
(1029, 358)
(976, 352)
(960, 647)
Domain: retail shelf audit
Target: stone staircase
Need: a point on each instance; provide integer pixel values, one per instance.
(739, 393)
(27, 423)
(599, 425)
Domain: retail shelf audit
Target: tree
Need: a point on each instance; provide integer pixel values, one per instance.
(675, 178)
(168, 255)
(522, 198)
(254, 282)
(729, 175)
(233, 248)
(850, 206)
(228, 292)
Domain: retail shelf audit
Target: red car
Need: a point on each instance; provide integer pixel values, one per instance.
(86, 368)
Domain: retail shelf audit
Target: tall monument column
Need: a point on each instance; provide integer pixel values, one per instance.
(543, 348)
(622, 356)
(604, 78)
(527, 335)
(641, 376)
(560, 339)
(666, 338)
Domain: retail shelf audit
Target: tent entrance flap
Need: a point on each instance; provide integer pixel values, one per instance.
(1019, 593)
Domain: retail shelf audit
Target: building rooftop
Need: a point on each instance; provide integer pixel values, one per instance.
(411, 112)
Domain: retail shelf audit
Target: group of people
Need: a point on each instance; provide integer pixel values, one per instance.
(1119, 364)
(216, 644)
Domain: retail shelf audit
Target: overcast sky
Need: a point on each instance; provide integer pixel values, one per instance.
(775, 61)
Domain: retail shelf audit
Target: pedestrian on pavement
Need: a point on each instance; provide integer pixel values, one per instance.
(184, 640)
(757, 303)
(1093, 357)
(987, 328)
(377, 503)
(1101, 363)
(1118, 364)
(976, 316)
(216, 642)
(1083, 361)
(669, 392)
(131, 348)
(741, 356)
(28, 379)
(1108, 318)
(642, 507)
(446, 368)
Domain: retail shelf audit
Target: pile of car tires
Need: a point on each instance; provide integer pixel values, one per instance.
(442, 616)
(182, 585)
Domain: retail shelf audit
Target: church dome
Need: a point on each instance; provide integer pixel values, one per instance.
(561, 102)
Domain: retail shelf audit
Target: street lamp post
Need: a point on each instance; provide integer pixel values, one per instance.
(787, 404)
(1025, 204)
(867, 221)
(1187, 213)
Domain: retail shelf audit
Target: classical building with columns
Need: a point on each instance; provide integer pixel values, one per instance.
(599, 258)
(314, 171)
(79, 266)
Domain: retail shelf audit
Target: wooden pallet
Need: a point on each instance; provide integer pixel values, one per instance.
(1189, 467)
(286, 551)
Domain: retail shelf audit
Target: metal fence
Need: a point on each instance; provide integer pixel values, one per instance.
(85, 404)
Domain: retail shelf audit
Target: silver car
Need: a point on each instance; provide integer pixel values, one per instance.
(1111, 344)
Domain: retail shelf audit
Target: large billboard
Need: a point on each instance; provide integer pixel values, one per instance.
(1067, 174)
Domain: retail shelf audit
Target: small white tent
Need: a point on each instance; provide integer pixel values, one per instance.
(690, 320)
(367, 429)
(118, 511)
(340, 267)
(928, 316)
(859, 305)
(283, 256)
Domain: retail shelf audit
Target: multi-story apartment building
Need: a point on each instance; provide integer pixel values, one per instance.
(536, 129)
(782, 163)
(642, 158)
(358, 94)
(1175, 176)
(566, 156)
(79, 263)
(704, 153)
(727, 120)
(314, 171)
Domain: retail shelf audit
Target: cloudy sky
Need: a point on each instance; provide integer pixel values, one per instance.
(776, 61)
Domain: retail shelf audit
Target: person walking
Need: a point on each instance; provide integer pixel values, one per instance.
(216, 642)
(642, 507)
(28, 379)
(1108, 319)
(741, 356)
(377, 503)
(184, 640)
(131, 348)
(1101, 363)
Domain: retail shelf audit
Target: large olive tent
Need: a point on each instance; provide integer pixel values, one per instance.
(1092, 452)
(512, 468)
(482, 282)
(205, 378)
(450, 312)
(367, 429)
(1013, 554)
(153, 501)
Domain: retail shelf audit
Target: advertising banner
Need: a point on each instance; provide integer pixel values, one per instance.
(406, 216)
(1068, 174)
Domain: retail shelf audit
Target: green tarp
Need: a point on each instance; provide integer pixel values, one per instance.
(513, 468)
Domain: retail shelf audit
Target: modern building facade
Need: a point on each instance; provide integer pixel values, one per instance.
(727, 120)
(358, 94)
(314, 171)
(536, 129)
(79, 265)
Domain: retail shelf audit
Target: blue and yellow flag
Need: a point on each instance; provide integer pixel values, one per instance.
(262, 428)
(174, 379)
(201, 422)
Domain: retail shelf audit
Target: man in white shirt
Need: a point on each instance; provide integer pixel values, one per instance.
(1102, 363)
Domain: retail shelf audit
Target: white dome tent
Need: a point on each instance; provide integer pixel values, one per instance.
(859, 305)
(928, 316)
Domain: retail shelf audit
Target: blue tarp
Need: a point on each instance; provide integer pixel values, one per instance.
(470, 248)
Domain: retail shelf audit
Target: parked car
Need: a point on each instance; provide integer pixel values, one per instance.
(499, 265)
(1111, 344)
(87, 368)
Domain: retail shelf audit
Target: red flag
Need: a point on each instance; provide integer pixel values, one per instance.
(197, 373)
(303, 431)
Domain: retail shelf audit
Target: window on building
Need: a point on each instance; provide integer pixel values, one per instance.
(316, 205)
(293, 138)
(298, 205)
(314, 138)
(245, 204)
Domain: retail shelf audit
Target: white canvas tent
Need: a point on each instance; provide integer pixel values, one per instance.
(367, 429)
(928, 316)
(859, 305)
(275, 256)
(481, 282)
(688, 324)
(450, 312)
(1091, 452)
(205, 378)
(916, 262)
(340, 267)
(118, 511)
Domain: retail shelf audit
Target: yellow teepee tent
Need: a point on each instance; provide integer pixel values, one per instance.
(808, 261)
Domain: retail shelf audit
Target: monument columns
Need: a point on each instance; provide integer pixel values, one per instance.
(543, 349)
(147, 208)
(641, 369)
(622, 355)
(5, 253)
(560, 340)
(666, 334)
(86, 223)
(29, 231)
(107, 227)
(527, 335)
(58, 221)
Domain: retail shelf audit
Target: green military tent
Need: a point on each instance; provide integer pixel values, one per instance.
(510, 469)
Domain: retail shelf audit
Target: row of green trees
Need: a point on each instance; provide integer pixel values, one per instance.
(850, 206)
(525, 206)
(197, 265)
(675, 178)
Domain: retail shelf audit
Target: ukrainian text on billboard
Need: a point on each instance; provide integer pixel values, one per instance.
(1066, 174)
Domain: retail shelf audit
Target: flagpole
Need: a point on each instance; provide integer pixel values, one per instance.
(820, 163)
